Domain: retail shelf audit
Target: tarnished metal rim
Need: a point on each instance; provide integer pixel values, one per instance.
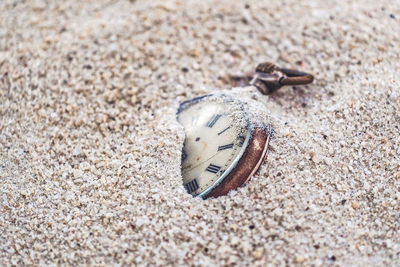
(248, 164)
(232, 167)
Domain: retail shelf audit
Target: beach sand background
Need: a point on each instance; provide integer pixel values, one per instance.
(90, 149)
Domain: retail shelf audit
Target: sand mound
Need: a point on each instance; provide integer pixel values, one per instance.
(90, 148)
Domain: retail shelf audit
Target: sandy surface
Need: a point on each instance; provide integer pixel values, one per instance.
(90, 148)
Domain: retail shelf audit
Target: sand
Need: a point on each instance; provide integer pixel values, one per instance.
(90, 148)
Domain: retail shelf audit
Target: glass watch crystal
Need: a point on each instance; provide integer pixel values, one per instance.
(218, 134)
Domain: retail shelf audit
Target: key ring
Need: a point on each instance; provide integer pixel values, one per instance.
(268, 77)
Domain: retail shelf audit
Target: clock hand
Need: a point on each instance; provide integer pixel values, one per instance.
(184, 169)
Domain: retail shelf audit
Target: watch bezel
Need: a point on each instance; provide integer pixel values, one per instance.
(231, 167)
(248, 164)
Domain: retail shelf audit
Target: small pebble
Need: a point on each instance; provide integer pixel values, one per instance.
(299, 259)
(258, 254)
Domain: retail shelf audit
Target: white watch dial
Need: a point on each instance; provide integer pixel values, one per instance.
(217, 133)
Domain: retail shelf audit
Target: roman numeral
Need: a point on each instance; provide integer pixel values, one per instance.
(221, 132)
(225, 147)
(213, 120)
(213, 168)
(192, 186)
(184, 155)
(241, 141)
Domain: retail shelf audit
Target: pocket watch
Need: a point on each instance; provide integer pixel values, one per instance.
(223, 146)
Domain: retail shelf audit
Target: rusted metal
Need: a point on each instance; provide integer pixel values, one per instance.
(268, 77)
(249, 163)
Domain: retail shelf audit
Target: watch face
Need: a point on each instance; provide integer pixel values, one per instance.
(217, 133)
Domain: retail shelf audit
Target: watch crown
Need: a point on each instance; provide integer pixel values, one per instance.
(268, 77)
(267, 67)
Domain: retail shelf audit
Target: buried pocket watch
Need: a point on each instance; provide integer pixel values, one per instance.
(223, 147)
